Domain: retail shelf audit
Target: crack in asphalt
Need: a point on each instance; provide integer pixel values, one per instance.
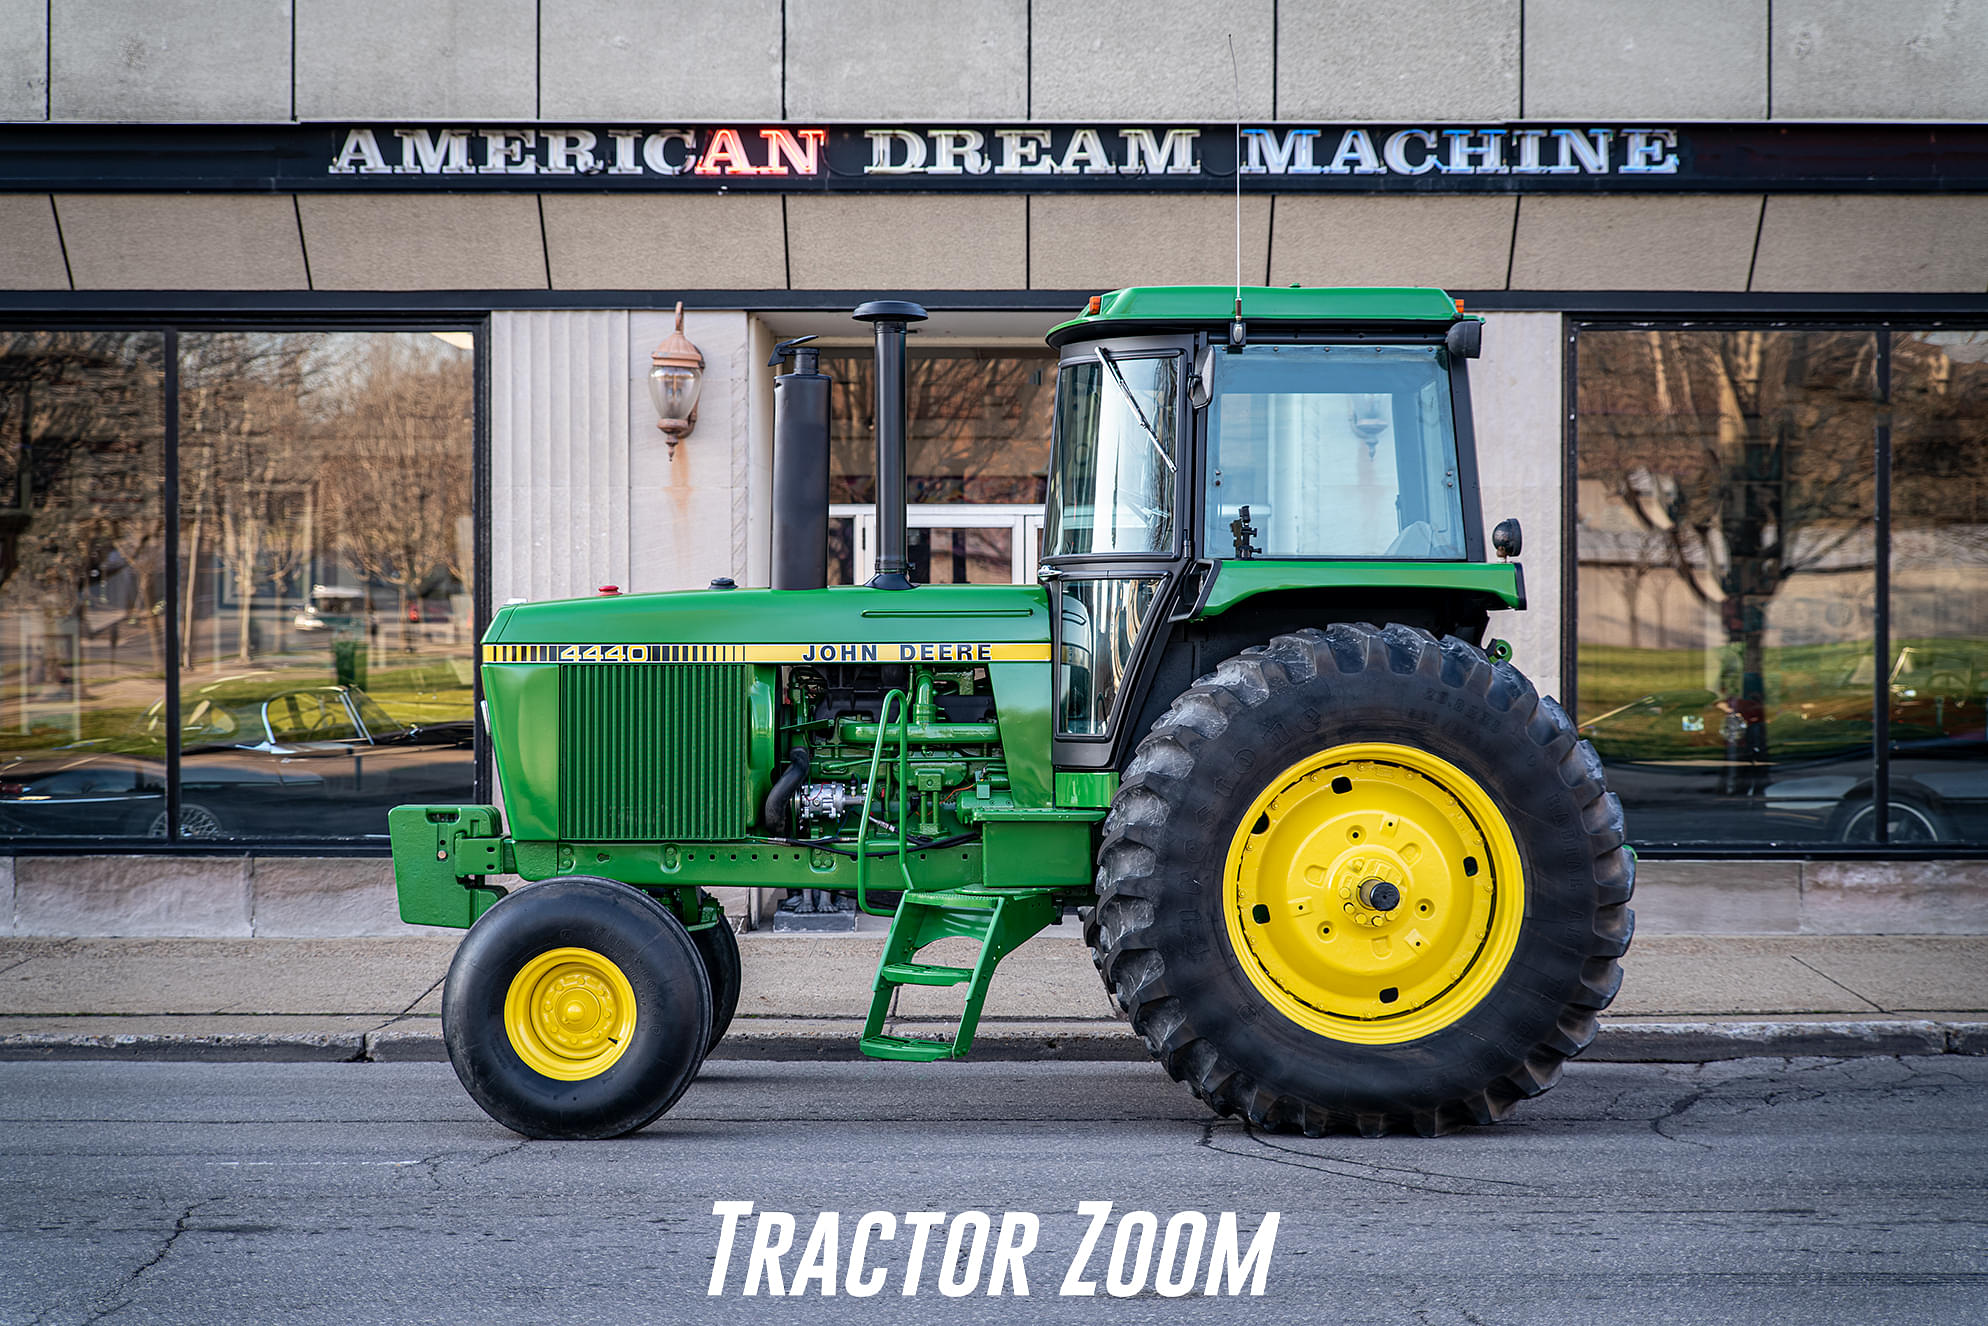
(101, 1310)
(1365, 1171)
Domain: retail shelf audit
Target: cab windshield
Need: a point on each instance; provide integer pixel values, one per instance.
(1333, 451)
(1111, 489)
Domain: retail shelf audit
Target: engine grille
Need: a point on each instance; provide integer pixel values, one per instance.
(651, 751)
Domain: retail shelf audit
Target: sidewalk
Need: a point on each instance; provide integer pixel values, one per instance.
(1683, 998)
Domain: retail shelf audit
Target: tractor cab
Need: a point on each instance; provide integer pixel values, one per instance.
(1193, 446)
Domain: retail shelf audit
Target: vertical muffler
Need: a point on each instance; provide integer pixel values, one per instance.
(890, 317)
(800, 468)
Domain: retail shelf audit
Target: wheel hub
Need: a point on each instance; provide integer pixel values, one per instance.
(569, 1013)
(1374, 893)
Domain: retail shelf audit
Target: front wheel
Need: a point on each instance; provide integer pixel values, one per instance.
(1364, 879)
(576, 1008)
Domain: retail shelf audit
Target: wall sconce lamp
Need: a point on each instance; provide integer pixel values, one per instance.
(676, 375)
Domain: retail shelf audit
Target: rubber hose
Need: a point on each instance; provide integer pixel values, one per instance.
(773, 815)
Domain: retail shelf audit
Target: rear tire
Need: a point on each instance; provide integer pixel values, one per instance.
(576, 1008)
(1285, 1010)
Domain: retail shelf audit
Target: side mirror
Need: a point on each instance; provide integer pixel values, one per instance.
(1466, 338)
(1507, 540)
(1201, 386)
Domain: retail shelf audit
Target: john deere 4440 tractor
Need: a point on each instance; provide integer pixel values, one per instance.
(1338, 862)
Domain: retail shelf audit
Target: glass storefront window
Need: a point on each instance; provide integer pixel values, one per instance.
(325, 543)
(1113, 489)
(83, 642)
(1727, 622)
(976, 427)
(1099, 624)
(1938, 680)
(324, 624)
(1333, 451)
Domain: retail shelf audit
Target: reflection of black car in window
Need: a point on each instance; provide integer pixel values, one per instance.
(298, 762)
(1683, 765)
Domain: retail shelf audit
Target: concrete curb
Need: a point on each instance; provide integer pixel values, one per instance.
(419, 1040)
(227, 1047)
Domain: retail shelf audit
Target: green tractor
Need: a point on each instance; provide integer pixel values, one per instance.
(1338, 862)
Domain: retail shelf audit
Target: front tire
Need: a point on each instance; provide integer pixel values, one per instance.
(719, 948)
(576, 1008)
(1364, 879)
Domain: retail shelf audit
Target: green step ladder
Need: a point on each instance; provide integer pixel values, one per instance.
(1000, 921)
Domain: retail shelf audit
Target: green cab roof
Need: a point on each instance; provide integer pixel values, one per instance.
(1151, 305)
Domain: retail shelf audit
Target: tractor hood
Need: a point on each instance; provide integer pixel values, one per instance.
(1000, 623)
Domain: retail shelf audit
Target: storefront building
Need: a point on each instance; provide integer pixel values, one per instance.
(321, 332)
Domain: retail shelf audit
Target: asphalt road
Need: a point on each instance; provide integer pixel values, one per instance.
(1757, 1191)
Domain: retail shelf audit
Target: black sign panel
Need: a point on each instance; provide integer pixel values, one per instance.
(1025, 158)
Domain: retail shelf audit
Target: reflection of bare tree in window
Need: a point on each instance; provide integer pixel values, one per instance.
(81, 550)
(401, 478)
(978, 426)
(1745, 458)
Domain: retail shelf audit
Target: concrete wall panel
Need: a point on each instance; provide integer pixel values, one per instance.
(423, 241)
(927, 242)
(442, 59)
(131, 895)
(1880, 242)
(641, 62)
(1101, 243)
(156, 241)
(1149, 60)
(878, 60)
(1397, 60)
(1632, 242)
(326, 897)
(1455, 243)
(171, 60)
(1684, 59)
(559, 428)
(1900, 60)
(691, 515)
(31, 259)
(1515, 395)
(23, 59)
(682, 241)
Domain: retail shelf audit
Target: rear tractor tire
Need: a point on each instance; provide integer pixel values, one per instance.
(576, 1008)
(1363, 879)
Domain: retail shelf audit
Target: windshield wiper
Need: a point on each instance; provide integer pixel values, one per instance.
(1118, 379)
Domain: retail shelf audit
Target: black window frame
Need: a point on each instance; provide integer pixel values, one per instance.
(170, 326)
(1882, 322)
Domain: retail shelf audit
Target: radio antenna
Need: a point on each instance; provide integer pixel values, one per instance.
(1236, 329)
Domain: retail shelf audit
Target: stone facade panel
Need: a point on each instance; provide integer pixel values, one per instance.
(878, 60)
(636, 61)
(442, 59)
(1452, 242)
(923, 242)
(202, 241)
(423, 241)
(1102, 243)
(1139, 60)
(131, 895)
(169, 60)
(1635, 242)
(1876, 242)
(1394, 60)
(1682, 60)
(31, 259)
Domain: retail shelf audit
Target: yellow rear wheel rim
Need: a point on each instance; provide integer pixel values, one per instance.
(570, 1014)
(1374, 893)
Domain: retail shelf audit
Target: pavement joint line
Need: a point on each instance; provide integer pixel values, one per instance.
(1802, 962)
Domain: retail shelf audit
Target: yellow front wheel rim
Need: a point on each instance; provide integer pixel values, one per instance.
(570, 1014)
(1374, 893)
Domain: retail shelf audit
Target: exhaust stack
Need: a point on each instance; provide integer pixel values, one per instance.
(800, 468)
(890, 317)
